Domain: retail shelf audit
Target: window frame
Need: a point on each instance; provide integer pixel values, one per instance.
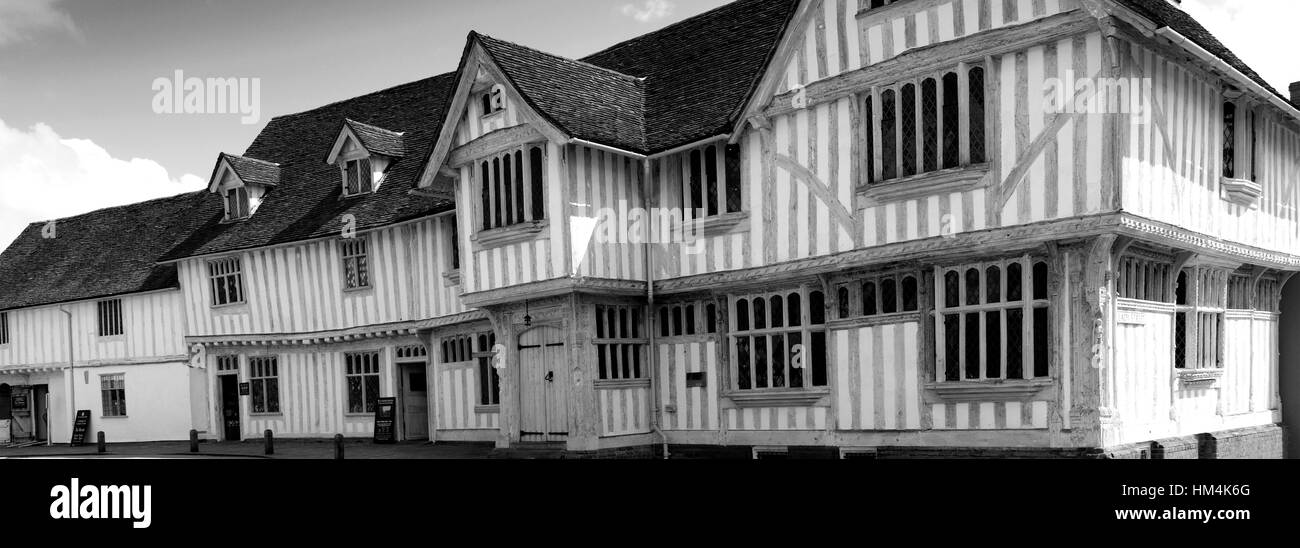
(725, 192)
(620, 337)
(365, 182)
(237, 206)
(885, 171)
(487, 376)
(354, 253)
(526, 189)
(364, 360)
(234, 269)
(1201, 306)
(111, 320)
(1028, 304)
(807, 329)
(263, 372)
(853, 292)
(112, 393)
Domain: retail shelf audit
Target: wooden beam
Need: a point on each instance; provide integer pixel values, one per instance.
(932, 58)
(498, 141)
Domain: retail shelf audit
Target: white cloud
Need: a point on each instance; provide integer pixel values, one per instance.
(650, 10)
(1259, 32)
(21, 20)
(44, 176)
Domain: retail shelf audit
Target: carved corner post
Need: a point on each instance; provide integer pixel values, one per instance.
(1090, 289)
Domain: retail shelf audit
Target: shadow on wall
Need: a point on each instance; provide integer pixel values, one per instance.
(1289, 366)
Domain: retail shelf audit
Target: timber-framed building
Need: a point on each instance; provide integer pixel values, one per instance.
(782, 227)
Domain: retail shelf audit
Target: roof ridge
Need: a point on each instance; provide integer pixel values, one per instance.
(639, 79)
(250, 158)
(361, 96)
(683, 22)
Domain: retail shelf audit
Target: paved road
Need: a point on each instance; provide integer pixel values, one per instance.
(284, 449)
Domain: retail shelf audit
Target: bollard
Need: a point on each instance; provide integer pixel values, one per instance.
(194, 441)
(102, 446)
(338, 446)
(270, 443)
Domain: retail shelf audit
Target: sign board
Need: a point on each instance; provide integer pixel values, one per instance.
(18, 401)
(80, 427)
(1131, 317)
(385, 412)
(244, 388)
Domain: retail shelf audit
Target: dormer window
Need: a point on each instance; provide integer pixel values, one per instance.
(359, 177)
(363, 153)
(494, 100)
(237, 204)
(243, 184)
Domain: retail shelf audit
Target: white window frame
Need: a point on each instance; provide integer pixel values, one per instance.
(489, 379)
(620, 338)
(751, 333)
(228, 364)
(220, 271)
(1203, 311)
(851, 302)
(708, 165)
(355, 256)
(263, 372)
(1027, 305)
(490, 179)
(113, 404)
(111, 321)
(966, 158)
(692, 318)
(237, 206)
(361, 365)
(365, 176)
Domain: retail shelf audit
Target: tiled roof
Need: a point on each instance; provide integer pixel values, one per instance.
(699, 72)
(253, 171)
(582, 99)
(377, 139)
(100, 254)
(308, 202)
(1165, 15)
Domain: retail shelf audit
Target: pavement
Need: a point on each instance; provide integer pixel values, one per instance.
(284, 449)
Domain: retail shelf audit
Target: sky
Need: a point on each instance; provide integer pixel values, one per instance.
(82, 125)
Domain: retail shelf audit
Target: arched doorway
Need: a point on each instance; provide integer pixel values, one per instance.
(543, 385)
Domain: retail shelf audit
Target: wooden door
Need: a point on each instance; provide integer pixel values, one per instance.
(230, 407)
(543, 385)
(415, 402)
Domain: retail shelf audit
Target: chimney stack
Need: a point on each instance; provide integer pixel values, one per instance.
(1295, 92)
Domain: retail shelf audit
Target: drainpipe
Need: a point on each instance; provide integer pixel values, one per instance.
(72, 371)
(650, 307)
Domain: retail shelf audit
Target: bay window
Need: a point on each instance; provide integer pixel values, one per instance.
(1200, 299)
(511, 187)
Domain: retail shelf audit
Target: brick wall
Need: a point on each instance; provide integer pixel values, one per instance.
(1176, 448)
(1260, 442)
